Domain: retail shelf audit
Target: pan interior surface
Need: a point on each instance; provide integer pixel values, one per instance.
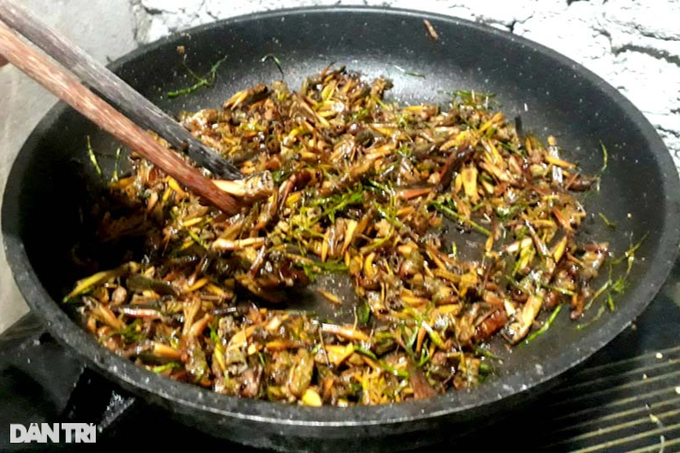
(52, 178)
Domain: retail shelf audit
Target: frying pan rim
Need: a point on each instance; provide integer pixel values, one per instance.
(193, 398)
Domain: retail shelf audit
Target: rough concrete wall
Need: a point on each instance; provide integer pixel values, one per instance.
(633, 44)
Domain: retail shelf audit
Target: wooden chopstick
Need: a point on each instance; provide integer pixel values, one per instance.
(62, 84)
(114, 89)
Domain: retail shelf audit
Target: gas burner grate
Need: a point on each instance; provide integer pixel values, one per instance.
(625, 399)
(629, 405)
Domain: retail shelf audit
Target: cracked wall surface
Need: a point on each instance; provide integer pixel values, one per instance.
(633, 44)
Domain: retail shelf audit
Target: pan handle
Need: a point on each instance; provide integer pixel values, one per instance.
(96, 400)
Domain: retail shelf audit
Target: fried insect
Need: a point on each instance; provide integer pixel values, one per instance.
(452, 228)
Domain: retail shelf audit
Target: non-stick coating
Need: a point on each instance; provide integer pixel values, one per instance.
(52, 178)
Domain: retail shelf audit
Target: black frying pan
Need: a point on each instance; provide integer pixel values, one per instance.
(51, 179)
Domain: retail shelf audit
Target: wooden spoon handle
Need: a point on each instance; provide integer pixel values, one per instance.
(67, 88)
(114, 89)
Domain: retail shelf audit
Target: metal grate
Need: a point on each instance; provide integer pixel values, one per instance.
(625, 399)
(629, 405)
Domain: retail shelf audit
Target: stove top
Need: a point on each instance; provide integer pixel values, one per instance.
(624, 399)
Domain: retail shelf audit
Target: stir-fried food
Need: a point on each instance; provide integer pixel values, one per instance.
(451, 228)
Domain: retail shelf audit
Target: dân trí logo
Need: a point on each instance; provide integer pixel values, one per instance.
(53, 432)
